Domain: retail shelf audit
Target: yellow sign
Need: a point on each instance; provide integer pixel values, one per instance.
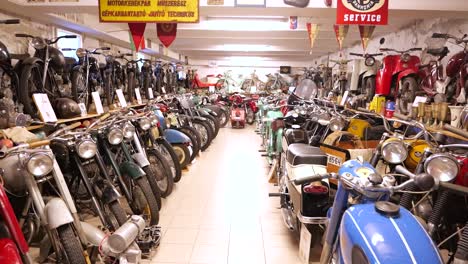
(149, 11)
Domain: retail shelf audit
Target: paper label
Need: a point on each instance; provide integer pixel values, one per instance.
(121, 97)
(163, 90)
(83, 110)
(138, 95)
(45, 108)
(211, 89)
(150, 93)
(419, 99)
(304, 244)
(97, 103)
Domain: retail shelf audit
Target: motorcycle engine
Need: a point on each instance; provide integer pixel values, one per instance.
(64, 88)
(9, 117)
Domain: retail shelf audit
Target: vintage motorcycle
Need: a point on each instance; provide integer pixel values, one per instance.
(363, 76)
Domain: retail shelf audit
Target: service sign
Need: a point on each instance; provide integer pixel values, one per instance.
(149, 11)
(362, 12)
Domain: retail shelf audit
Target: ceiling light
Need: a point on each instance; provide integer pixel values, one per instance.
(248, 18)
(246, 47)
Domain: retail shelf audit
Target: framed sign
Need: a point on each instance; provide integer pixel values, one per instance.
(149, 11)
(46, 112)
(362, 12)
(250, 3)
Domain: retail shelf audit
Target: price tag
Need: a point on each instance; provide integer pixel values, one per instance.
(211, 89)
(419, 99)
(138, 95)
(83, 110)
(163, 90)
(150, 93)
(121, 97)
(97, 103)
(45, 108)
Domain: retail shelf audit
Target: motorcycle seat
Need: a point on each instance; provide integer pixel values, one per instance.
(304, 154)
(442, 52)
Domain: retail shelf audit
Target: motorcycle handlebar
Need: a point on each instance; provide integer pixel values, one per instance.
(455, 130)
(458, 189)
(356, 54)
(39, 143)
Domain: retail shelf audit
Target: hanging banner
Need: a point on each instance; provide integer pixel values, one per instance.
(293, 22)
(341, 31)
(137, 31)
(147, 11)
(362, 12)
(313, 30)
(366, 34)
(167, 33)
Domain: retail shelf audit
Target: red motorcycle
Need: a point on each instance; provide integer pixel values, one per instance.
(237, 111)
(456, 69)
(198, 84)
(432, 76)
(398, 77)
(13, 247)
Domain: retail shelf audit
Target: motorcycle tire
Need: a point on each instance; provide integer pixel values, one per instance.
(118, 213)
(80, 92)
(223, 118)
(183, 153)
(71, 245)
(369, 88)
(193, 135)
(214, 124)
(408, 89)
(109, 91)
(250, 116)
(163, 175)
(206, 134)
(168, 152)
(131, 87)
(30, 75)
(150, 199)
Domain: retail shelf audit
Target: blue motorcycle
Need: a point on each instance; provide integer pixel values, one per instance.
(364, 227)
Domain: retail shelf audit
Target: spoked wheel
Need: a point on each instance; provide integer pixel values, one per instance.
(250, 116)
(369, 89)
(167, 150)
(145, 202)
(163, 175)
(408, 93)
(183, 153)
(131, 86)
(205, 133)
(214, 124)
(109, 91)
(223, 118)
(116, 213)
(80, 92)
(194, 138)
(30, 83)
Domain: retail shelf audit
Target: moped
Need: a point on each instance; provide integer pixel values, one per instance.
(363, 76)
(398, 77)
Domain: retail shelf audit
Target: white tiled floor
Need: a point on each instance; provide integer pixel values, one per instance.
(220, 212)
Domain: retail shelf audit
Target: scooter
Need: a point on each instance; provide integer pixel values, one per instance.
(363, 76)
(238, 113)
(398, 76)
(364, 227)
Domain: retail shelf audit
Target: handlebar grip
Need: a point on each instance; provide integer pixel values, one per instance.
(416, 49)
(104, 117)
(384, 49)
(455, 130)
(39, 143)
(11, 21)
(21, 35)
(356, 54)
(309, 179)
(72, 126)
(458, 189)
(69, 36)
(402, 117)
(68, 49)
(105, 48)
(439, 35)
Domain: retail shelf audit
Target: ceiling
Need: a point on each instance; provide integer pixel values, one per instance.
(226, 31)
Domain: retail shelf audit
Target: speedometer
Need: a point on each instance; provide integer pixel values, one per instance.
(364, 172)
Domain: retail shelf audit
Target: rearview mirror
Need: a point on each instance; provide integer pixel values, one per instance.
(382, 41)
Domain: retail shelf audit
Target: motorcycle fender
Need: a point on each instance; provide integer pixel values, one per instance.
(140, 159)
(109, 195)
(199, 118)
(406, 73)
(57, 213)
(369, 73)
(203, 111)
(31, 61)
(132, 170)
(176, 137)
(355, 75)
(385, 239)
(279, 140)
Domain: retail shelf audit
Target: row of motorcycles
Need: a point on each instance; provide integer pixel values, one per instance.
(114, 169)
(369, 189)
(400, 76)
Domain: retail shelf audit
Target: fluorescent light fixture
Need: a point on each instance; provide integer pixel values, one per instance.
(248, 18)
(246, 47)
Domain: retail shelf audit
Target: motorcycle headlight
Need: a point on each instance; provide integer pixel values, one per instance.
(405, 57)
(115, 136)
(145, 123)
(38, 43)
(394, 151)
(154, 121)
(86, 149)
(337, 124)
(442, 166)
(39, 164)
(80, 53)
(370, 61)
(128, 131)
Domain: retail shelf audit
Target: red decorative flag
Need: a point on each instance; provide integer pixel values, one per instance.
(366, 34)
(341, 31)
(167, 33)
(293, 22)
(137, 30)
(313, 30)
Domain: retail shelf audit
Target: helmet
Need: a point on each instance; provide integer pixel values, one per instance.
(67, 108)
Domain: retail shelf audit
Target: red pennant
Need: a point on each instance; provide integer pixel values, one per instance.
(167, 33)
(137, 30)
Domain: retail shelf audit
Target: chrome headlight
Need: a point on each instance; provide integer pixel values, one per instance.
(405, 57)
(370, 61)
(38, 43)
(128, 130)
(145, 123)
(115, 136)
(442, 166)
(40, 164)
(154, 120)
(86, 149)
(80, 53)
(394, 151)
(337, 124)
